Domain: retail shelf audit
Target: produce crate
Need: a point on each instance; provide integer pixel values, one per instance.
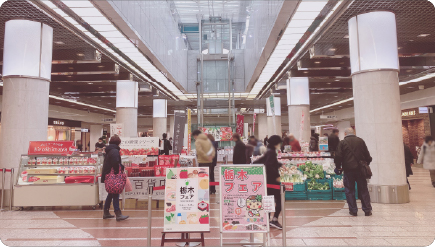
(294, 186)
(319, 194)
(338, 194)
(296, 195)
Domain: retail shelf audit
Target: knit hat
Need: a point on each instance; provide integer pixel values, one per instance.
(274, 140)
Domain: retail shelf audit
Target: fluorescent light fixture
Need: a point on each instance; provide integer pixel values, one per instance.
(423, 35)
(421, 78)
(80, 103)
(331, 105)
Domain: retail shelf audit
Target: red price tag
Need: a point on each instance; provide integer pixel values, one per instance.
(288, 186)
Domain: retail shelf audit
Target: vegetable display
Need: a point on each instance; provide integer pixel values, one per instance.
(338, 183)
(290, 174)
(314, 185)
(312, 170)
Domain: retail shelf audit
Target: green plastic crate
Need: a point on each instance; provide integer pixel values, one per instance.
(338, 194)
(296, 195)
(319, 194)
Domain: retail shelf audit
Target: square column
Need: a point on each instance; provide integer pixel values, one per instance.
(160, 124)
(298, 103)
(126, 106)
(271, 130)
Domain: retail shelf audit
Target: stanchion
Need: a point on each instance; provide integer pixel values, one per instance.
(150, 202)
(284, 230)
(11, 189)
(3, 188)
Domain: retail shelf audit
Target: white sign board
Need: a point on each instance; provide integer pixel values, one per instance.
(117, 129)
(139, 146)
(140, 188)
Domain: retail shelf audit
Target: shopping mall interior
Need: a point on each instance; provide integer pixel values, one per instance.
(74, 72)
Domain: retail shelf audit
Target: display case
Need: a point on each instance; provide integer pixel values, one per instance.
(55, 180)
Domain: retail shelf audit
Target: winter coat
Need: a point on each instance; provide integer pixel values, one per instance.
(111, 160)
(204, 149)
(333, 142)
(296, 147)
(249, 152)
(270, 161)
(257, 148)
(215, 145)
(427, 156)
(166, 146)
(314, 144)
(239, 154)
(409, 159)
(344, 157)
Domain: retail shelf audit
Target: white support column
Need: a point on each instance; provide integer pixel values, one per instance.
(342, 126)
(27, 57)
(262, 126)
(298, 102)
(126, 106)
(96, 131)
(160, 124)
(375, 67)
(171, 126)
(270, 129)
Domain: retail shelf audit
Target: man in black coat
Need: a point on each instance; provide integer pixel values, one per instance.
(333, 141)
(239, 154)
(348, 161)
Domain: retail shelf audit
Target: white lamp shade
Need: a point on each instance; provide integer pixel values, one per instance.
(28, 49)
(277, 102)
(298, 91)
(126, 94)
(160, 108)
(373, 42)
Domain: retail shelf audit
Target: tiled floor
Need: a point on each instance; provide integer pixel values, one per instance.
(312, 223)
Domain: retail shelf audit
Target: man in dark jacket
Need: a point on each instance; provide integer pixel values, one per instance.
(166, 144)
(239, 153)
(333, 141)
(346, 161)
(409, 159)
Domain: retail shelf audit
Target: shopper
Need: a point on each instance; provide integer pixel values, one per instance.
(285, 142)
(349, 153)
(249, 151)
(204, 150)
(112, 161)
(214, 162)
(333, 141)
(239, 153)
(257, 145)
(99, 146)
(294, 143)
(314, 142)
(265, 140)
(270, 161)
(79, 145)
(427, 157)
(409, 159)
(166, 144)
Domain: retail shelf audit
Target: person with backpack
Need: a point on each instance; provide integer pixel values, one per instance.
(427, 157)
(351, 157)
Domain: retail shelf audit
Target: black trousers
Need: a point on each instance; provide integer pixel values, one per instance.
(349, 179)
(277, 195)
(211, 174)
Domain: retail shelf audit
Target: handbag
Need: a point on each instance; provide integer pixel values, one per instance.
(364, 167)
(128, 186)
(115, 183)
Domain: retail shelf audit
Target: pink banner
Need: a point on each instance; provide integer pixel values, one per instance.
(240, 124)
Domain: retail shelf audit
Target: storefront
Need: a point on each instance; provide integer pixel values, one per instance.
(63, 130)
(415, 127)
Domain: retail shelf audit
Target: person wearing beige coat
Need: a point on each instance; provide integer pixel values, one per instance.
(204, 148)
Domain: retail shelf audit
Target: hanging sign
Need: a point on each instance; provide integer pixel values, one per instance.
(187, 200)
(117, 129)
(323, 143)
(51, 147)
(139, 146)
(226, 134)
(328, 117)
(214, 131)
(253, 125)
(302, 126)
(242, 191)
(189, 131)
(240, 124)
(179, 124)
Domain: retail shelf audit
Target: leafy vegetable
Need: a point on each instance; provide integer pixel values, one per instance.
(312, 170)
(314, 185)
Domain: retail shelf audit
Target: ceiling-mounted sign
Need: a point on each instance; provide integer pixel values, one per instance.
(85, 130)
(64, 122)
(408, 113)
(328, 117)
(109, 120)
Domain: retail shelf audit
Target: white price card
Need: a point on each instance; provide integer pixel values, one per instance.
(269, 204)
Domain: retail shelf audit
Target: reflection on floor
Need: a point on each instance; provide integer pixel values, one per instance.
(312, 223)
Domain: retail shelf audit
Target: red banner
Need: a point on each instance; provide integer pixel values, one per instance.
(51, 147)
(240, 124)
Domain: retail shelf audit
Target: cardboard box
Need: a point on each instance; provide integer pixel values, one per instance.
(143, 204)
(130, 203)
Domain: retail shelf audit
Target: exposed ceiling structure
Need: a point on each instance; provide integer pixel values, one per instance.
(85, 79)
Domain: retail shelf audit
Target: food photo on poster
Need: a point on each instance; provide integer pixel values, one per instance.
(243, 189)
(187, 200)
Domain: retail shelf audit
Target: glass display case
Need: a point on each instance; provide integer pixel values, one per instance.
(54, 180)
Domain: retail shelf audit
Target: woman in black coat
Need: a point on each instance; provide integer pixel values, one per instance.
(112, 160)
(239, 153)
(270, 161)
(214, 163)
(409, 159)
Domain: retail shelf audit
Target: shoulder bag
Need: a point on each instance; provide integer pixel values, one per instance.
(363, 166)
(115, 183)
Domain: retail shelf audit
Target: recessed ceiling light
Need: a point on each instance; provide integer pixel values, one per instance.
(335, 96)
(109, 103)
(346, 36)
(70, 67)
(337, 80)
(59, 88)
(59, 43)
(423, 35)
(332, 49)
(69, 76)
(410, 87)
(409, 70)
(305, 72)
(328, 83)
(317, 62)
(411, 40)
(398, 48)
(90, 83)
(80, 54)
(340, 106)
(100, 66)
(100, 87)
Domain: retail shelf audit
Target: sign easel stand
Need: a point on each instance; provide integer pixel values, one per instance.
(252, 241)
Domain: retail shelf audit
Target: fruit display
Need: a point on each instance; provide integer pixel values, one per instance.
(140, 151)
(338, 183)
(312, 170)
(314, 185)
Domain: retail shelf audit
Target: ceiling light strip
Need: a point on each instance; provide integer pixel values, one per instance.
(331, 105)
(100, 37)
(80, 103)
(311, 30)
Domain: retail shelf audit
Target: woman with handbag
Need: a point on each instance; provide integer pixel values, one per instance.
(114, 178)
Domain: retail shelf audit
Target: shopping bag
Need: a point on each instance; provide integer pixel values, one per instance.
(128, 186)
(115, 183)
